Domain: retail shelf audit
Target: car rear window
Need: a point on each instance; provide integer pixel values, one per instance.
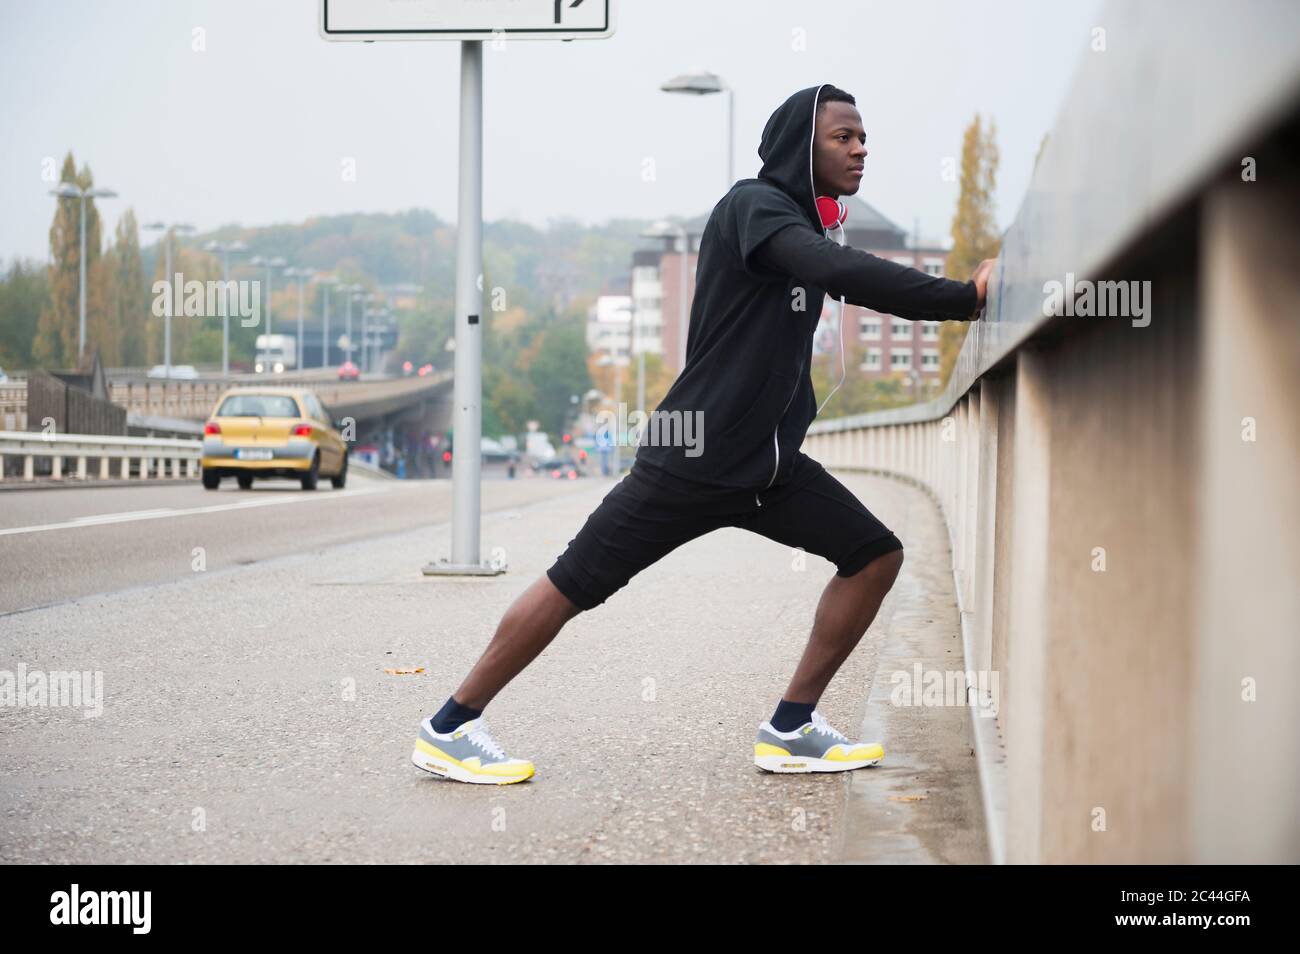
(258, 405)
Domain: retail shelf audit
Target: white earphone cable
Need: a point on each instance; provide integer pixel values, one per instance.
(839, 320)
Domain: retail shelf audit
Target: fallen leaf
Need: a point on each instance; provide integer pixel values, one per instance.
(906, 798)
(404, 672)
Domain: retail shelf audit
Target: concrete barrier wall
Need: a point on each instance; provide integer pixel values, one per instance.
(1122, 498)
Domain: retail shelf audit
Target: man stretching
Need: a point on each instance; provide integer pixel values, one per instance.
(765, 266)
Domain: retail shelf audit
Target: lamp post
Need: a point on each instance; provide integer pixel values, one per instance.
(270, 264)
(703, 83)
(611, 359)
(225, 248)
(169, 233)
(385, 325)
(353, 293)
(366, 312)
(301, 274)
(68, 190)
(328, 283)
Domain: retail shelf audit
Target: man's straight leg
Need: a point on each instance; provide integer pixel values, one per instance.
(642, 519)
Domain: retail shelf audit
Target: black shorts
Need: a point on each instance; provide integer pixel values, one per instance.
(651, 512)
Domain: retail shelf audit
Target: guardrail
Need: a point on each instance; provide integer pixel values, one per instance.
(1121, 492)
(135, 457)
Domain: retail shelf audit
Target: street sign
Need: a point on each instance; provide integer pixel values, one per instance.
(370, 20)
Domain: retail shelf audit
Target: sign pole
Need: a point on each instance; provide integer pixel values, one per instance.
(468, 383)
(470, 22)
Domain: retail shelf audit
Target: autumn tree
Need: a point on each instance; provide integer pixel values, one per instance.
(57, 330)
(117, 324)
(974, 230)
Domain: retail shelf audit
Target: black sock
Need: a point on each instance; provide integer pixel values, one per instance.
(790, 715)
(453, 714)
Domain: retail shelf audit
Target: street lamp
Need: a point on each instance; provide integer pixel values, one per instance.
(366, 312)
(169, 233)
(301, 274)
(354, 293)
(703, 83)
(328, 283)
(270, 264)
(376, 341)
(67, 190)
(618, 362)
(224, 249)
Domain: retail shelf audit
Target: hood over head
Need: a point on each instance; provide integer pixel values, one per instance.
(787, 149)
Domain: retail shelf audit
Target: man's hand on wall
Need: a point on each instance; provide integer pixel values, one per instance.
(981, 280)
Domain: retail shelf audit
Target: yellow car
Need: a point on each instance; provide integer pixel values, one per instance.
(272, 432)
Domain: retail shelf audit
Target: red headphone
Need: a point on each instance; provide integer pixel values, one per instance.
(832, 211)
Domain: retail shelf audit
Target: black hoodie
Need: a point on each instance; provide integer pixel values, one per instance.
(738, 411)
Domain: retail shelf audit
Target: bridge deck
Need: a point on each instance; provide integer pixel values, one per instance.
(225, 692)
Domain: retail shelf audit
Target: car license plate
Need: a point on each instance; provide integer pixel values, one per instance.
(250, 453)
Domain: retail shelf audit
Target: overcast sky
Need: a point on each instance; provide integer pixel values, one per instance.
(255, 129)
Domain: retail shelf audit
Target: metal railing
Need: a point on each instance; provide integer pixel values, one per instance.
(120, 458)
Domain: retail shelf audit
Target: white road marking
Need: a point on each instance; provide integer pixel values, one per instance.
(130, 516)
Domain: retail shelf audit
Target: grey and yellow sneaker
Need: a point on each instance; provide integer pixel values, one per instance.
(467, 754)
(815, 746)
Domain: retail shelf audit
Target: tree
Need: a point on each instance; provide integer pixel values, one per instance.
(196, 339)
(974, 230)
(118, 324)
(658, 379)
(559, 371)
(23, 296)
(508, 402)
(57, 329)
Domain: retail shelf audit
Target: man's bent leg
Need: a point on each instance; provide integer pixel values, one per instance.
(820, 515)
(534, 619)
(846, 609)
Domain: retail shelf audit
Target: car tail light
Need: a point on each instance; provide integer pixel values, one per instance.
(302, 430)
(212, 427)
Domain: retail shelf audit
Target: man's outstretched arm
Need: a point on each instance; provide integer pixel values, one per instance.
(871, 282)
